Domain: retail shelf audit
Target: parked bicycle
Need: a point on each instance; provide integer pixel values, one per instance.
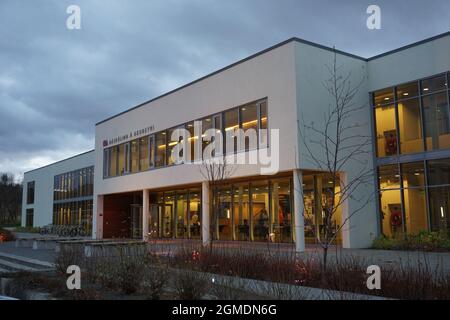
(63, 230)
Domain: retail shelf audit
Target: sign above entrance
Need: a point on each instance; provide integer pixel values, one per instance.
(133, 134)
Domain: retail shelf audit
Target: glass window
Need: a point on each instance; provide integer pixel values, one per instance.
(260, 210)
(437, 126)
(113, 161)
(439, 172)
(171, 145)
(195, 218)
(408, 90)
(206, 125)
(241, 216)
(385, 96)
(182, 220)
(160, 160)
(440, 208)
(434, 84)
(134, 156)
(122, 167)
(413, 175)
(263, 124)
(391, 213)
(389, 177)
(386, 131)
(105, 162)
(192, 140)
(415, 204)
(249, 123)
(30, 192)
(224, 215)
(231, 121)
(410, 126)
(143, 154)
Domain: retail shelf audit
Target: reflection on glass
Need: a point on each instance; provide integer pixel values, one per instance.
(413, 175)
(160, 160)
(386, 131)
(439, 172)
(113, 162)
(121, 159)
(407, 91)
(241, 212)
(260, 210)
(143, 154)
(410, 126)
(195, 217)
(415, 210)
(182, 215)
(434, 84)
(440, 208)
(134, 156)
(382, 97)
(249, 120)
(231, 120)
(224, 215)
(437, 126)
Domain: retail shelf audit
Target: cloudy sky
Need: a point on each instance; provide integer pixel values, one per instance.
(55, 83)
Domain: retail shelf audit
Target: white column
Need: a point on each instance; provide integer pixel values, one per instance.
(97, 217)
(298, 211)
(145, 213)
(205, 214)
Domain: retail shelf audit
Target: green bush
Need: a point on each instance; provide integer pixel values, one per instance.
(423, 241)
(28, 229)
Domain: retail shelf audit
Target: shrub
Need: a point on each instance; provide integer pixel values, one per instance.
(190, 285)
(67, 257)
(129, 272)
(155, 280)
(27, 229)
(6, 235)
(423, 241)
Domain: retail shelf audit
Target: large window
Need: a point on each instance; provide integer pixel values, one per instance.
(30, 192)
(386, 132)
(160, 138)
(410, 125)
(414, 197)
(156, 150)
(437, 122)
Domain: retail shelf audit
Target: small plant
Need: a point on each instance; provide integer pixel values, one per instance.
(129, 272)
(155, 280)
(67, 257)
(190, 285)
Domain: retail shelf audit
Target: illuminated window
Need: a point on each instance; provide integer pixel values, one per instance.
(134, 155)
(386, 131)
(437, 124)
(143, 153)
(160, 140)
(410, 125)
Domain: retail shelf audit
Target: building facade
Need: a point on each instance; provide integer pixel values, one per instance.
(141, 191)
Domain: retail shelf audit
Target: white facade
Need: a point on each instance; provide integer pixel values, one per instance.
(44, 181)
(290, 76)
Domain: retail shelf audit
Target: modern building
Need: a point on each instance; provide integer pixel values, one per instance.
(140, 191)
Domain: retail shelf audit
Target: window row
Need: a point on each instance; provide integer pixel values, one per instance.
(415, 197)
(414, 122)
(74, 213)
(74, 184)
(156, 150)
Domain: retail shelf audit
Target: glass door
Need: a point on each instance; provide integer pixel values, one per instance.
(136, 221)
(165, 212)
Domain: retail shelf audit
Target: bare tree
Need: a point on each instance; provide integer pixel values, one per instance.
(215, 171)
(10, 199)
(335, 145)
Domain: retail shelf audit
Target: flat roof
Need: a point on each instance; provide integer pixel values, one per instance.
(51, 164)
(294, 39)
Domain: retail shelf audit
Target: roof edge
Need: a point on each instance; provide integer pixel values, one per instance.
(53, 163)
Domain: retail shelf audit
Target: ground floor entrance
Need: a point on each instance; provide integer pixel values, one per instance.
(256, 209)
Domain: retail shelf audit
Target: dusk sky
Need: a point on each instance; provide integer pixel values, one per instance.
(56, 83)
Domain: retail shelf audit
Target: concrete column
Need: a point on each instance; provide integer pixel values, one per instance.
(299, 222)
(145, 214)
(97, 215)
(206, 235)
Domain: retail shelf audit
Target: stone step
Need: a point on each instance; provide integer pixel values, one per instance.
(27, 260)
(16, 266)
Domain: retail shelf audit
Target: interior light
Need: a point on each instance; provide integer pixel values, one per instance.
(442, 212)
(406, 94)
(425, 89)
(416, 174)
(386, 98)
